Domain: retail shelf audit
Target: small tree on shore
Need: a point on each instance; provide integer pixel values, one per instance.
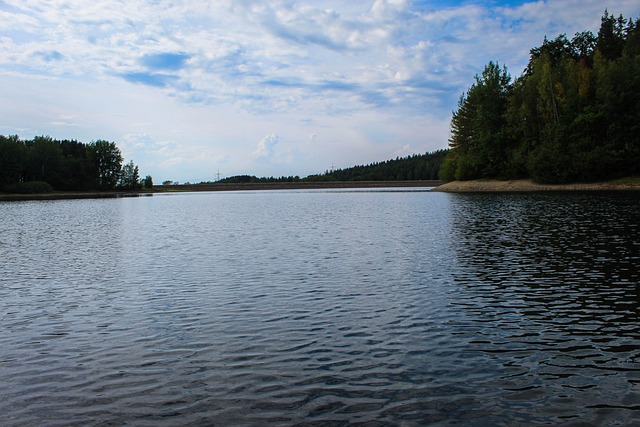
(129, 177)
(147, 182)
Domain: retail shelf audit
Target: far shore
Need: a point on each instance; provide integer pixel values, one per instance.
(473, 186)
(160, 189)
(300, 185)
(525, 185)
(61, 195)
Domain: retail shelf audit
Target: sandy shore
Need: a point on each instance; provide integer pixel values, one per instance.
(528, 185)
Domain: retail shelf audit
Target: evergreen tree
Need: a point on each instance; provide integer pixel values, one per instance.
(479, 139)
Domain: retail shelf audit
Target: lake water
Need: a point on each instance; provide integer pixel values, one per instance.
(380, 307)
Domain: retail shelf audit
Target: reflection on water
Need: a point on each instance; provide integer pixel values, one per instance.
(550, 284)
(384, 308)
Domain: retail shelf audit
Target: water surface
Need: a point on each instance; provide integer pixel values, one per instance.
(389, 307)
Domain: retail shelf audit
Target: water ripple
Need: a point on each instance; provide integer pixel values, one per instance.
(303, 308)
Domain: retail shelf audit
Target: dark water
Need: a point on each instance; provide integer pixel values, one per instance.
(327, 308)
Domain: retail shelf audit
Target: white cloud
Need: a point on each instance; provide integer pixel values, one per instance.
(266, 147)
(404, 151)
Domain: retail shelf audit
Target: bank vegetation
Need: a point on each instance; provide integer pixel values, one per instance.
(573, 115)
(43, 164)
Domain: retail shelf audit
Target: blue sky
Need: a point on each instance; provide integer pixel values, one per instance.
(188, 88)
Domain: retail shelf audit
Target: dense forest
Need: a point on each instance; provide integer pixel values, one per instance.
(573, 115)
(246, 179)
(43, 164)
(415, 167)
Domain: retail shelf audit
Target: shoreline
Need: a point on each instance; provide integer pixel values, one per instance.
(527, 185)
(473, 186)
(320, 185)
(70, 195)
(184, 188)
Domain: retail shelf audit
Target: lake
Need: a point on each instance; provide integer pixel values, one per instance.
(379, 307)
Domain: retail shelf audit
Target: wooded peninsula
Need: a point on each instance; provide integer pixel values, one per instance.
(573, 115)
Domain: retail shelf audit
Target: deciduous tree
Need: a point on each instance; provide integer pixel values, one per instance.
(107, 159)
(129, 177)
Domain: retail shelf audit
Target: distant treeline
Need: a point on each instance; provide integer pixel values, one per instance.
(44, 164)
(574, 114)
(251, 179)
(415, 167)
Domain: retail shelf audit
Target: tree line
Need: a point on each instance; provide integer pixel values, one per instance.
(45, 164)
(573, 115)
(414, 167)
(252, 179)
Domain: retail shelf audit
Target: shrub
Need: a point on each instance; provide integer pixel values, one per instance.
(30, 187)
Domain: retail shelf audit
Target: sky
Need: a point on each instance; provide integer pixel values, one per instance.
(189, 89)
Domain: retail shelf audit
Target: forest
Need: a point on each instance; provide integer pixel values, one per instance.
(43, 164)
(415, 167)
(573, 115)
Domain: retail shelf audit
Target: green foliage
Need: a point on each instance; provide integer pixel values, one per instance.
(30, 187)
(44, 160)
(66, 165)
(147, 182)
(12, 159)
(447, 170)
(479, 139)
(129, 177)
(107, 160)
(612, 36)
(415, 167)
(549, 164)
(574, 115)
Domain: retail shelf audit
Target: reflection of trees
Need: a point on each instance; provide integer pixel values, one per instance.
(551, 281)
(564, 243)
